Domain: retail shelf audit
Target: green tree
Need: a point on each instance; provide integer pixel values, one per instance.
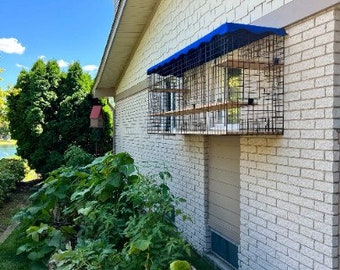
(51, 112)
(4, 129)
(4, 122)
(4, 125)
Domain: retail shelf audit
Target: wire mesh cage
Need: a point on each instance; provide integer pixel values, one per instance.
(231, 85)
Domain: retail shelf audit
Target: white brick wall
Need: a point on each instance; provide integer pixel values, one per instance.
(289, 184)
(183, 156)
(298, 214)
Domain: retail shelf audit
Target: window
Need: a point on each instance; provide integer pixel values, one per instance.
(231, 84)
(224, 249)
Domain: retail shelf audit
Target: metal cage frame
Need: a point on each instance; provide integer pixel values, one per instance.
(238, 90)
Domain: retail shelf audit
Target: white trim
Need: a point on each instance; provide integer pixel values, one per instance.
(118, 16)
(294, 11)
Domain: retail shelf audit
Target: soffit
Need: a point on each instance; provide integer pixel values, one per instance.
(131, 20)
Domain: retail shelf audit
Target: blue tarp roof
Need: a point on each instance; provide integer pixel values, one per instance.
(211, 46)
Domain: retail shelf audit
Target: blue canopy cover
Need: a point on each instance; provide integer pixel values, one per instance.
(224, 39)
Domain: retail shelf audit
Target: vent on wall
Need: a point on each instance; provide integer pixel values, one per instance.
(228, 82)
(224, 249)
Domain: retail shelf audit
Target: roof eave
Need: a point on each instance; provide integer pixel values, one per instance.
(125, 35)
(96, 90)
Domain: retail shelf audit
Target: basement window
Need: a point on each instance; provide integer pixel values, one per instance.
(224, 249)
(228, 82)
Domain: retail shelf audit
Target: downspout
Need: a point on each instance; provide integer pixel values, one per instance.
(114, 133)
(336, 174)
(112, 104)
(338, 202)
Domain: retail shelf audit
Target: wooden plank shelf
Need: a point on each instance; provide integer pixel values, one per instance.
(255, 65)
(168, 90)
(206, 108)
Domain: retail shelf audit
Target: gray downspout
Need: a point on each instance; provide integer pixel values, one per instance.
(111, 103)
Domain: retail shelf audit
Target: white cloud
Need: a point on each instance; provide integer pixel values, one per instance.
(11, 45)
(42, 57)
(89, 68)
(21, 66)
(62, 63)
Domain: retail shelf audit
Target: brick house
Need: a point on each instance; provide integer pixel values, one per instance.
(240, 101)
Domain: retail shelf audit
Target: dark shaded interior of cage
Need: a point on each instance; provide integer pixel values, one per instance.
(240, 92)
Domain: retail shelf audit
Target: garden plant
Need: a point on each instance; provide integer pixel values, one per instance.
(105, 215)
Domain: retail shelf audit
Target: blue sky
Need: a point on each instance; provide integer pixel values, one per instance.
(62, 30)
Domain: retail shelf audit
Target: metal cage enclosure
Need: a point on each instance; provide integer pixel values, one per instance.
(227, 86)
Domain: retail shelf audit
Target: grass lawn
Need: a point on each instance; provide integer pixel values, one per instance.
(8, 142)
(18, 200)
(8, 258)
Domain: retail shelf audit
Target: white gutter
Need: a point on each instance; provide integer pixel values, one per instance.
(293, 12)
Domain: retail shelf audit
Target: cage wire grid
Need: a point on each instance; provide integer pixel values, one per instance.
(237, 92)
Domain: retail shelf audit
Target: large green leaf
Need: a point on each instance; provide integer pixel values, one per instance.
(56, 239)
(36, 255)
(105, 195)
(85, 211)
(24, 248)
(80, 193)
(180, 265)
(141, 244)
(128, 170)
(114, 179)
(35, 231)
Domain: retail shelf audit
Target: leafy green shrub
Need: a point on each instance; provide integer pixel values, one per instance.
(76, 157)
(105, 215)
(11, 171)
